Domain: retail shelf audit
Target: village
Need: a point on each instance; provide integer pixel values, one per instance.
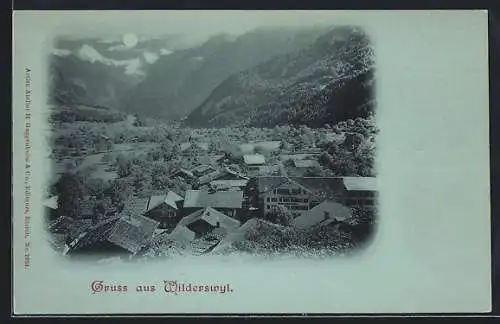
(218, 189)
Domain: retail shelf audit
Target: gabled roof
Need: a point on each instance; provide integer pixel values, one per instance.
(134, 233)
(360, 183)
(329, 186)
(254, 159)
(209, 177)
(265, 184)
(219, 173)
(226, 184)
(170, 199)
(212, 217)
(222, 199)
(327, 210)
(51, 202)
(182, 233)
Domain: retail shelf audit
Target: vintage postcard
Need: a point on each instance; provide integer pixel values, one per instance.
(230, 162)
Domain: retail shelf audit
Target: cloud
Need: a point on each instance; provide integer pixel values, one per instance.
(133, 66)
(61, 52)
(165, 51)
(150, 57)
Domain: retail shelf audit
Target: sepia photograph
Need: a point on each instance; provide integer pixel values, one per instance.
(252, 142)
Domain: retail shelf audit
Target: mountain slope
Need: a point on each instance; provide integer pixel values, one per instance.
(329, 81)
(178, 83)
(88, 79)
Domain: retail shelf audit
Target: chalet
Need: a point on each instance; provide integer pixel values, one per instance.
(93, 238)
(227, 202)
(225, 185)
(300, 194)
(360, 192)
(132, 234)
(324, 212)
(165, 209)
(224, 174)
(252, 162)
(274, 191)
(204, 229)
(297, 194)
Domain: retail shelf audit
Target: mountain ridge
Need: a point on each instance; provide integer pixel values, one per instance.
(326, 82)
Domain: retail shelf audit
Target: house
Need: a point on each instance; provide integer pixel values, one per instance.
(274, 191)
(227, 202)
(224, 174)
(93, 238)
(360, 192)
(133, 233)
(297, 194)
(254, 160)
(223, 185)
(165, 209)
(324, 212)
(206, 222)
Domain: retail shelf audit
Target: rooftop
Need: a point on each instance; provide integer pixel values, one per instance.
(327, 210)
(360, 183)
(212, 217)
(317, 185)
(254, 159)
(222, 199)
(132, 234)
(171, 199)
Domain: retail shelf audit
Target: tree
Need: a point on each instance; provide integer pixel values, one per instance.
(313, 172)
(280, 215)
(353, 141)
(69, 191)
(124, 165)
